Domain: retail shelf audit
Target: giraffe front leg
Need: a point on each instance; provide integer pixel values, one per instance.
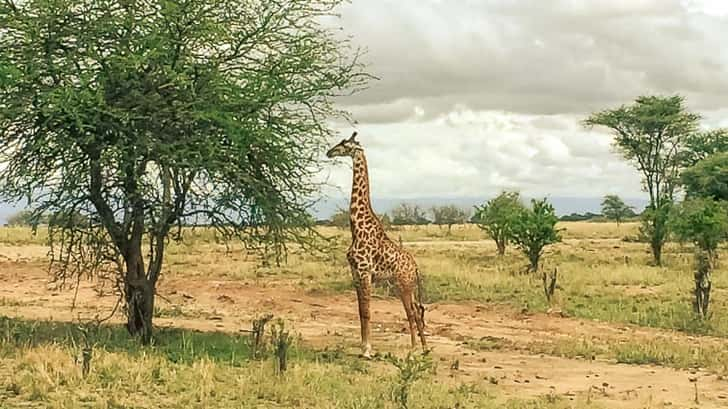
(363, 293)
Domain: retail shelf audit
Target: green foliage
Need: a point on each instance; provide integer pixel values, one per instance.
(153, 114)
(533, 229)
(497, 216)
(448, 215)
(701, 145)
(614, 208)
(652, 133)
(408, 214)
(702, 221)
(411, 368)
(708, 177)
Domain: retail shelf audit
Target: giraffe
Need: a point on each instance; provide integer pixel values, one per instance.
(373, 256)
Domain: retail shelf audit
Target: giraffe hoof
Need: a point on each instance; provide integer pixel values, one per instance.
(367, 353)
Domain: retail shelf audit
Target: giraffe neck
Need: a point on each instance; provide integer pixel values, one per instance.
(361, 206)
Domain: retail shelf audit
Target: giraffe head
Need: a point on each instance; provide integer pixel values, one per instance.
(347, 147)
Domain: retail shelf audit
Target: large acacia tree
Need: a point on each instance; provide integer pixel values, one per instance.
(653, 134)
(143, 115)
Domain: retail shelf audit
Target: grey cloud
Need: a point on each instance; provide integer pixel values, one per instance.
(533, 56)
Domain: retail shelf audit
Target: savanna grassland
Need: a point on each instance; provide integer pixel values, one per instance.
(619, 332)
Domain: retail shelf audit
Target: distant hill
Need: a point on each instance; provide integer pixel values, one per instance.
(325, 208)
(563, 205)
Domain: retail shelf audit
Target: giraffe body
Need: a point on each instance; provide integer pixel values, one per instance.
(373, 256)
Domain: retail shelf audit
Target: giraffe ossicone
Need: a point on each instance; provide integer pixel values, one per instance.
(373, 256)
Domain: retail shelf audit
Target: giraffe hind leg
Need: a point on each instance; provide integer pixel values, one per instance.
(409, 309)
(420, 320)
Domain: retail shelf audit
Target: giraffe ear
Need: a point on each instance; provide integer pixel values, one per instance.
(351, 138)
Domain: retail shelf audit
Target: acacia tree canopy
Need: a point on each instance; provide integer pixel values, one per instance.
(652, 133)
(147, 113)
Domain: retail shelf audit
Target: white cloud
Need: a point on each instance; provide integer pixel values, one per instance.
(467, 153)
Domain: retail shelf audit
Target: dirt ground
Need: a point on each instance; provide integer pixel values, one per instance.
(331, 320)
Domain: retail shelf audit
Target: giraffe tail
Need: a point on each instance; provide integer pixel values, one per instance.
(419, 296)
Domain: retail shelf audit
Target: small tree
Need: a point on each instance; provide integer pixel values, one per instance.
(408, 214)
(652, 133)
(704, 222)
(341, 219)
(497, 216)
(448, 215)
(533, 229)
(614, 208)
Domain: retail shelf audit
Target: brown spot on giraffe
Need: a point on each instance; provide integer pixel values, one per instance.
(373, 256)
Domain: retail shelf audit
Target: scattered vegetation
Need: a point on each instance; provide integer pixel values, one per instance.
(410, 369)
(448, 216)
(533, 229)
(497, 217)
(282, 341)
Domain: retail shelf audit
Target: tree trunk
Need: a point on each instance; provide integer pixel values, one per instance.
(702, 282)
(656, 245)
(501, 244)
(139, 295)
(534, 259)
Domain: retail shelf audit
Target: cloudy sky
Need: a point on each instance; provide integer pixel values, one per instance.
(476, 96)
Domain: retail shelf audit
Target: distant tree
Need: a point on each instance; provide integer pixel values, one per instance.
(533, 229)
(614, 208)
(341, 218)
(577, 217)
(707, 178)
(652, 133)
(704, 222)
(152, 114)
(25, 218)
(69, 219)
(408, 214)
(497, 216)
(386, 221)
(448, 215)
